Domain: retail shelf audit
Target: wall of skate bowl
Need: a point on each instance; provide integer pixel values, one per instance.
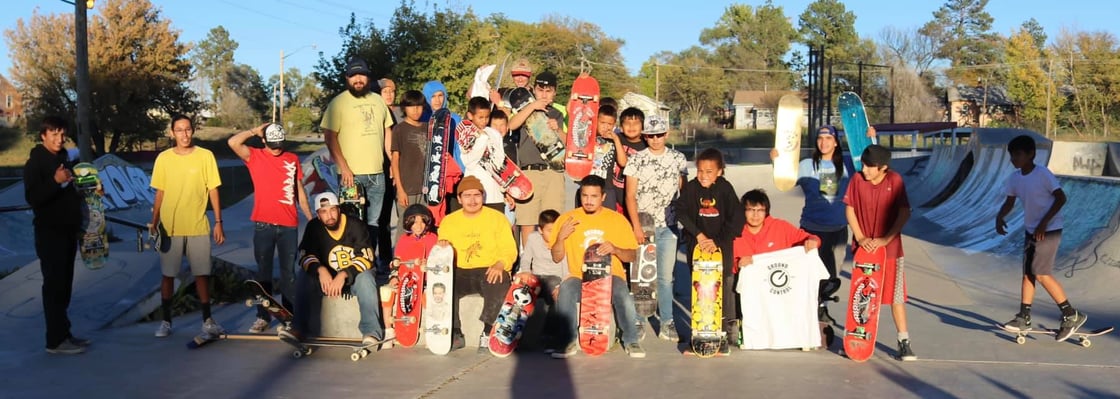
(1112, 161)
(944, 162)
(1078, 159)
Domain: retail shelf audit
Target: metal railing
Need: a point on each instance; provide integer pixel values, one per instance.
(141, 228)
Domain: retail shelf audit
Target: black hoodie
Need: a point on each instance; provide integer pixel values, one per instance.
(55, 206)
(714, 211)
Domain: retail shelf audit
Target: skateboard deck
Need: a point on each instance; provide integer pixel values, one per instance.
(595, 314)
(408, 303)
(583, 111)
(359, 350)
(95, 241)
(158, 240)
(512, 180)
(854, 118)
(643, 272)
(707, 303)
(787, 140)
(549, 142)
(352, 201)
(514, 314)
(206, 339)
(263, 298)
(863, 303)
(1081, 335)
(437, 298)
(435, 174)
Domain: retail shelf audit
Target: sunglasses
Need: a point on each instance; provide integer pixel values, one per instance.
(657, 136)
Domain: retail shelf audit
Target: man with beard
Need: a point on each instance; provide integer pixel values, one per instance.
(357, 130)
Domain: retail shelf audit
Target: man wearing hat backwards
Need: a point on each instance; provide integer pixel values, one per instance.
(484, 255)
(276, 176)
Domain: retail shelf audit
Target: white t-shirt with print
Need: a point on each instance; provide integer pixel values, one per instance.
(659, 182)
(1036, 189)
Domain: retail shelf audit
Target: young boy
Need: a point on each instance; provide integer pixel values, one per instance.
(412, 246)
(709, 213)
(653, 179)
(409, 154)
(877, 208)
(482, 151)
(630, 126)
(609, 153)
(1043, 198)
(536, 258)
(499, 121)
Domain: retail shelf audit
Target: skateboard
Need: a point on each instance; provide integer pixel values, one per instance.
(1081, 335)
(352, 201)
(265, 299)
(159, 240)
(206, 339)
(583, 111)
(787, 140)
(95, 241)
(549, 142)
(643, 272)
(854, 118)
(510, 177)
(325, 168)
(408, 303)
(437, 298)
(439, 137)
(707, 303)
(513, 316)
(359, 350)
(863, 303)
(595, 314)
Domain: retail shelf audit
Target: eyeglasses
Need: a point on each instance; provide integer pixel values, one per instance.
(657, 136)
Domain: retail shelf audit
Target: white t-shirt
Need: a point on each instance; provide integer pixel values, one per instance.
(1036, 189)
(659, 182)
(778, 298)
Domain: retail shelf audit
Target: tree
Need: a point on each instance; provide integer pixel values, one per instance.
(962, 30)
(1027, 82)
(1094, 80)
(908, 47)
(1038, 34)
(754, 39)
(244, 81)
(213, 57)
(138, 71)
(828, 24)
(690, 82)
(362, 40)
(299, 90)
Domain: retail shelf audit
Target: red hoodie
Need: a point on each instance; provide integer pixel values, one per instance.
(776, 234)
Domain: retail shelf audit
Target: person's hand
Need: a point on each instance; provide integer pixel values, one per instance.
(539, 105)
(773, 154)
(337, 283)
(811, 245)
(871, 131)
(873, 244)
(567, 229)
(259, 130)
(511, 202)
(522, 276)
(743, 262)
(345, 176)
(609, 135)
(402, 198)
(495, 274)
(325, 281)
(1001, 226)
(1040, 232)
(605, 248)
(553, 125)
(706, 244)
(495, 96)
(639, 235)
(63, 175)
(219, 234)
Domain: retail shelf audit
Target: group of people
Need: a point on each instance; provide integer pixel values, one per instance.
(639, 192)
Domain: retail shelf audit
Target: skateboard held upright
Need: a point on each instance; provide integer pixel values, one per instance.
(437, 298)
(596, 329)
(787, 140)
(864, 302)
(439, 137)
(707, 303)
(583, 110)
(854, 117)
(95, 241)
(643, 271)
(408, 303)
(515, 312)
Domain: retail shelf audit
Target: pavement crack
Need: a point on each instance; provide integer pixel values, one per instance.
(455, 377)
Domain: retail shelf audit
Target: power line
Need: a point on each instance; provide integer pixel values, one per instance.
(278, 18)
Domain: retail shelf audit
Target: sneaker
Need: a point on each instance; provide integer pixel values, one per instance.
(641, 331)
(1019, 324)
(390, 336)
(458, 341)
(259, 326)
(568, 351)
(66, 348)
(370, 340)
(289, 335)
(82, 342)
(1070, 324)
(211, 327)
(164, 329)
(724, 349)
(669, 332)
(483, 343)
(904, 352)
(635, 351)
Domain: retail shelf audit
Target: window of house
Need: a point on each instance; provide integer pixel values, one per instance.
(8, 101)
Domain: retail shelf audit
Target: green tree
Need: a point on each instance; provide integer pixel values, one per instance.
(138, 71)
(1037, 32)
(1093, 81)
(245, 82)
(359, 39)
(299, 90)
(962, 30)
(213, 57)
(1027, 83)
(828, 24)
(753, 39)
(691, 83)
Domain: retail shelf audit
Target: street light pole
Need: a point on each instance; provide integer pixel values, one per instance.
(282, 57)
(81, 44)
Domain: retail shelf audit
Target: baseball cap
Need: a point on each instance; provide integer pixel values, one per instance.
(546, 78)
(521, 68)
(655, 124)
(469, 183)
(274, 136)
(324, 200)
(357, 66)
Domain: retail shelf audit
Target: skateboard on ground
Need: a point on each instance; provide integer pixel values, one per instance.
(864, 303)
(583, 111)
(1081, 335)
(359, 350)
(408, 303)
(437, 298)
(206, 339)
(514, 314)
(549, 142)
(854, 118)
(95, 241)
(707, 303)
(435, 174)
(596, 330)
(352, 201)
(787, 140)
(643, 271)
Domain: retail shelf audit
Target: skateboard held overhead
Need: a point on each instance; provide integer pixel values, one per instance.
(854, 117)
(787, 140)
(583, 111)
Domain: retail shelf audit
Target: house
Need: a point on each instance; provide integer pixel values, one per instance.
(754, 109)
(979, 106)
(11, 103)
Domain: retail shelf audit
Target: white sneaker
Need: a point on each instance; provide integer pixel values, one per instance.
(259, 326)
(390, 334)
(211, 327)
(164, 329)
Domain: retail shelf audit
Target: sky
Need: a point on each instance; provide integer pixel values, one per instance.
(264, 28)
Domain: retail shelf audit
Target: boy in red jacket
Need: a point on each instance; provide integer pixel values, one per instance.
(764, 233)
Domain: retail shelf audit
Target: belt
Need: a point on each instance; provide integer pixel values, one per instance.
(536, 166)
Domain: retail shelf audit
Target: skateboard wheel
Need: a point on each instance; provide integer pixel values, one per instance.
(248, 303)
(297, 354)
(1020, 340)
(266, 303)
(1086, 343)
(355, 356)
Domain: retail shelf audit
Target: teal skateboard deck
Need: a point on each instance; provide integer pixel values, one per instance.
(854, 117)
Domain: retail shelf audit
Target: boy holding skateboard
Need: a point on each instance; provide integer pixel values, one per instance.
(548, 180)
(482, 151)
(409, 154)
(1043, 199)
(609, 153)
(536, 258)
(630, 123)
(709, 212)
(877, 209)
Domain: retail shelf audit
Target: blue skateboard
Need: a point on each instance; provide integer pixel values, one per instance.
(854, 118)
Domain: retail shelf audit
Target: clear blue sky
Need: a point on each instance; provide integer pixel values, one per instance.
(265, 27)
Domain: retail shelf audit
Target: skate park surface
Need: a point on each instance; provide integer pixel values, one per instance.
(962, 280)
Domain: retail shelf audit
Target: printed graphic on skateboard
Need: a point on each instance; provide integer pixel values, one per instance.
(435, 174)
(643, 271)
(596, 321)
(787, 140)
(408, 302)
(864, 301)
(437, 298)
(583, 111)
(707, 303)
(515, 312)
(94, 246)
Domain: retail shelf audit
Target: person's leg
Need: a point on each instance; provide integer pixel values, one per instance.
(567, 307)
(493, 296)
(666, 261)
(264, 247)
(466, 283)
(896, 281)
(369, 304)
(287, 245)
(170, 263)
(624, 311)
(198, 254)
(57, 283)
(307, 285)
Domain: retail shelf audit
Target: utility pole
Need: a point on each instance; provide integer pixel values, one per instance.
(281, 88)
(657, 83)
(81, 44)
(1049, 87)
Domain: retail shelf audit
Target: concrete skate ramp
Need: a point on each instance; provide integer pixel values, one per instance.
(941, 173)
(1112, 160)
(1078, 159)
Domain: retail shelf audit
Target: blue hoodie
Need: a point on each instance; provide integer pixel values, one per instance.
(824, 194)
(430, 89)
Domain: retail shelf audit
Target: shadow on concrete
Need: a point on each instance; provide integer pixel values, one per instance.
(955, 316)
(1011, 391)
(914, 384)
(537, 376)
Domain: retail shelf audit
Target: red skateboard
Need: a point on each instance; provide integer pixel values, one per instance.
(583, 111)
(408, 303)
(515, 312)
(595, 314)
(512, 180)
(863, 303)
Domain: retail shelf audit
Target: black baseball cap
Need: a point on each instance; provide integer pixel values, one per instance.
(546, 78)
(357, 66)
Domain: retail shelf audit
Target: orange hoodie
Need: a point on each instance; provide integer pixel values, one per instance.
(776, 234)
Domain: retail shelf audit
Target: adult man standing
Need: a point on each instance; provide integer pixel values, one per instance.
(276, 176)
(49, 189)
(548, 180)
(357, 128)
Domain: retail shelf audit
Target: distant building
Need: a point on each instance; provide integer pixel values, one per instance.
(755, 109)
(979, 106)
(11, 103)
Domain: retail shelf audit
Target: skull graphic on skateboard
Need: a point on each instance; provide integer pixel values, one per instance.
(583, 110)
(864, 300)
(514, 314)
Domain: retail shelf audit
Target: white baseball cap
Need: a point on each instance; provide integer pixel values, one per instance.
(325, 199)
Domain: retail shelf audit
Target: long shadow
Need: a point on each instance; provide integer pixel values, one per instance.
(539, 376)
(954, 316)
(915, 385)
(1011, 391)
(1086, 392)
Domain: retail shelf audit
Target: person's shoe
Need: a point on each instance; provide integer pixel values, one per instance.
(1019, 324)
(483, 343)
(259, 326)
(66, 348)
(370, 340)
(289, 335)
(164, 329)
(635, 351)
(1070, 324)
(669, 332)
(732, 329)
(568, 351)
(390, 336)
(458, 341)
(904, 352)
(211, 327)
(82, 342)
(724, 349)
(641, 331)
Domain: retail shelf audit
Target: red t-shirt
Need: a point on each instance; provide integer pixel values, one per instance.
(274, 186)
(877, 207)
(411, 247)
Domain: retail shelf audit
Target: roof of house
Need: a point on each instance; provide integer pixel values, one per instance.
(996, 95)
(759, 98)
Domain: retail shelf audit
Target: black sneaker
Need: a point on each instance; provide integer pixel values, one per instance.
(669, 332)
(484, 343)
(1070, 324)
(724, 349)
(567, 352)
(904, 352)
(1019, 324)
(458, 341)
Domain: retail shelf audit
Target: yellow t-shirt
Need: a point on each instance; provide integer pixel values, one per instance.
(186, 181)
(603, 226)
(361, 124)
(480, 241)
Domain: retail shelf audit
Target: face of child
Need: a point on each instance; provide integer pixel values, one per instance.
(53, 139)
(544, 92)
(418, 225)
(501, 125)
(546, 230)
(656, 142)
(826, 142)
(1021, 159)
(707, 171)
(756, 214)
(438, 100)
(632, 129)
(438, 294)
(874, 174)
(413, 112)
(606, 126)
(480, 117)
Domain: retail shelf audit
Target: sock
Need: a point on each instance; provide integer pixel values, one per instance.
(165, 305)
(902, 336)
(1025, 310)
(1067, 309)
(205, 311)
(486, 329)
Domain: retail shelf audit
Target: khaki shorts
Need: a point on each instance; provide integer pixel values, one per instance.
(197, 250)
(548, 193)
(1039, 257)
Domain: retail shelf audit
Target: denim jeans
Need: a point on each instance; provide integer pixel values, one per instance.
(567, 305)
(375, 196)
(666, 261)
(268, 240)
(364, 288)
